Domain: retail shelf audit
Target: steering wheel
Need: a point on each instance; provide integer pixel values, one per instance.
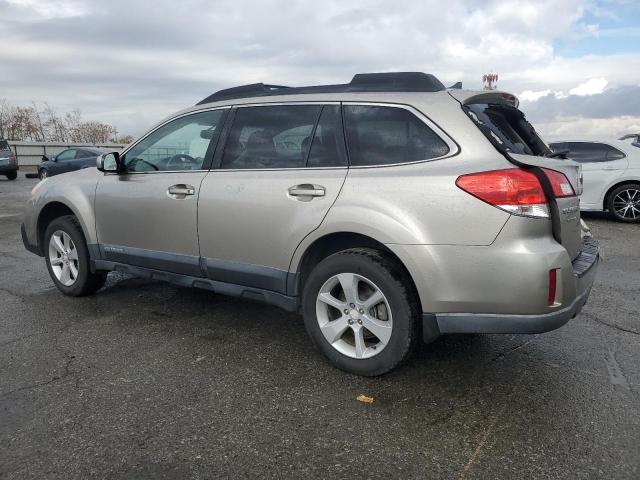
(183, 162)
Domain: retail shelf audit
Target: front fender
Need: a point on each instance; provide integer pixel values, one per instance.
(74, 190)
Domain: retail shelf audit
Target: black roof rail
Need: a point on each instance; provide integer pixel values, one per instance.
(361, 82)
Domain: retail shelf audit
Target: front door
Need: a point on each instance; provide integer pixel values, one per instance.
(148, 215)
(281, 170)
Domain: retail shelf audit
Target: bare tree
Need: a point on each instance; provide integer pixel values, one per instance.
(29, 123)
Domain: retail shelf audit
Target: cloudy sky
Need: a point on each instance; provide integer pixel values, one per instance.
(575, 64)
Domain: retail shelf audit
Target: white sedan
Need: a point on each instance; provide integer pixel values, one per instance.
(611, 173)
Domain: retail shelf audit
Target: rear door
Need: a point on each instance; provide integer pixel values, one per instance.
(280, 171)
(497, 116)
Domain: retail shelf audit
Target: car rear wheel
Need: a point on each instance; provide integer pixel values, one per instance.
(624, 203)
(67, 258)
(12, 175)
(360, 311)
(42, 174)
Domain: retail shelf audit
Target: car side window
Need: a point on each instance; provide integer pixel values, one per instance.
(272, 136)
(379, 135)
(327, 145)
(66, 155)
(84, 154)
(592, 152)
(613, 153)
(178, 145)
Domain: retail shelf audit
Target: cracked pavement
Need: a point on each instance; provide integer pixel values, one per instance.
(147, 380)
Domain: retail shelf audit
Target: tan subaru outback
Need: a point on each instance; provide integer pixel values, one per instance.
(387, 210)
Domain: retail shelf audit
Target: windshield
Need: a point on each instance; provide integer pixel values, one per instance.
(507, 128)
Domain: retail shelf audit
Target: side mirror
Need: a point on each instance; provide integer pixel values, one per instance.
(44, 158)
(109, 162)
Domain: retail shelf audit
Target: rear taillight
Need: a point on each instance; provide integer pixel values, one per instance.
(559, 183)
(12, 158)
(515, 190)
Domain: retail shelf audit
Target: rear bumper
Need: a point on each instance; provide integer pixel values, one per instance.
(584, 268)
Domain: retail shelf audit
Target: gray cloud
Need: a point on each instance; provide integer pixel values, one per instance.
(132, 62)
(611, 103)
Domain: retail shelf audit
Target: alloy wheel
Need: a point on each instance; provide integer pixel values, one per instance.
(626, 204)
(43, 174)
(354, 315)
(63, 257)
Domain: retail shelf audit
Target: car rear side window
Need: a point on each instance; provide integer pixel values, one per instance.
(379, 135)
(273, 136)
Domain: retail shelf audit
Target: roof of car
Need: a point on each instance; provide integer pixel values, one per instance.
(361, 82)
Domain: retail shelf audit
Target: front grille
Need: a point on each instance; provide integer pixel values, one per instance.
(587, 257)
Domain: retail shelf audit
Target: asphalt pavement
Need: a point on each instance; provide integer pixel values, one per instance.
(146, 380)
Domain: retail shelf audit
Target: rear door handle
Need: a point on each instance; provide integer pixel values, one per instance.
(307, 190)
(180, 190)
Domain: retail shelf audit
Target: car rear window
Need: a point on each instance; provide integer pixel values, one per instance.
(507, 128)
(4, 145)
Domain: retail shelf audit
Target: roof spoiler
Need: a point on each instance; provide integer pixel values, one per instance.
(466, 97)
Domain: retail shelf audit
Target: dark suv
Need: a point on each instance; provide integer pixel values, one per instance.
(8, 162)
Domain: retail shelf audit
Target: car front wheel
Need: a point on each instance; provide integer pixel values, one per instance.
(360, 311)
(67, 258)
(624, 203)
(42, 174)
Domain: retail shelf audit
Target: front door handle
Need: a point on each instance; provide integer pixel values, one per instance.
(180, 191)
(307, 190)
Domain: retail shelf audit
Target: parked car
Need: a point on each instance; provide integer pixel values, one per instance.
(385, 210)
(611, 171)
(69, 160)
(8, 161)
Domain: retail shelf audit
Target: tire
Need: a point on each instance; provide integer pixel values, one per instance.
(396, 316)
(84, 282)
(624, 203)
(42, 174)
(12, 175)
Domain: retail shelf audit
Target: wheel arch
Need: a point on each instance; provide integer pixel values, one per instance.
(50, 212)
(330, 243)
